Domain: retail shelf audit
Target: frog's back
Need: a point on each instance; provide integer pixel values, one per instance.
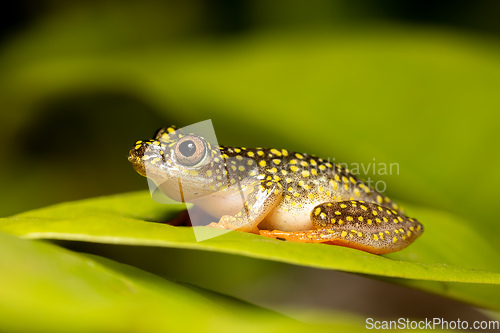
(305, 181)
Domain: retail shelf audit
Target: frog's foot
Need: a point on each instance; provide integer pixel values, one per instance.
(233, 223)
(309, 236)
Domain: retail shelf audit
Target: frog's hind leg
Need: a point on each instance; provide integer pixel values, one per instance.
(356, 224)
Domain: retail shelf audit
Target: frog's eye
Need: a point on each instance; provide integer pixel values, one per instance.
(190, 150)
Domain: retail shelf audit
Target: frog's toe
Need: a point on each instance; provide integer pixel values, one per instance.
(232, 223)
(226, 222)
(216, 225)
(309, 236)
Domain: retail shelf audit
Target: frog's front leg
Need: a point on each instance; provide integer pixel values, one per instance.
(259, 202)
(356, 224)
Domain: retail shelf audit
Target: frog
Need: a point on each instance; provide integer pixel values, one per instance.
(275, 193)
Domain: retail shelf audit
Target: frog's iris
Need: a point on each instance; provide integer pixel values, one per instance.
(190, 150)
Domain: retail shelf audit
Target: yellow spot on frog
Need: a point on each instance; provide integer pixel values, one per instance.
(276, 152)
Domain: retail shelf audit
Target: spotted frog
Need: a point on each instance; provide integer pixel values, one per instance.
(273, 192)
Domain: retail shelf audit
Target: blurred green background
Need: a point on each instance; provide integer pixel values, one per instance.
(414, 83)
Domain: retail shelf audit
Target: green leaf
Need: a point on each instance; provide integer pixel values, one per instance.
(48, 289)
(130, 219)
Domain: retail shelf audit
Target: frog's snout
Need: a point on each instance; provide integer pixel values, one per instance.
(135, 156)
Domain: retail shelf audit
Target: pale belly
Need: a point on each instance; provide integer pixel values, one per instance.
(287, 218)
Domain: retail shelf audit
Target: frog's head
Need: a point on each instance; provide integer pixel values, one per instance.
(183, 166)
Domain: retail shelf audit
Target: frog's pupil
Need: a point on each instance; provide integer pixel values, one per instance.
(187, 148)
